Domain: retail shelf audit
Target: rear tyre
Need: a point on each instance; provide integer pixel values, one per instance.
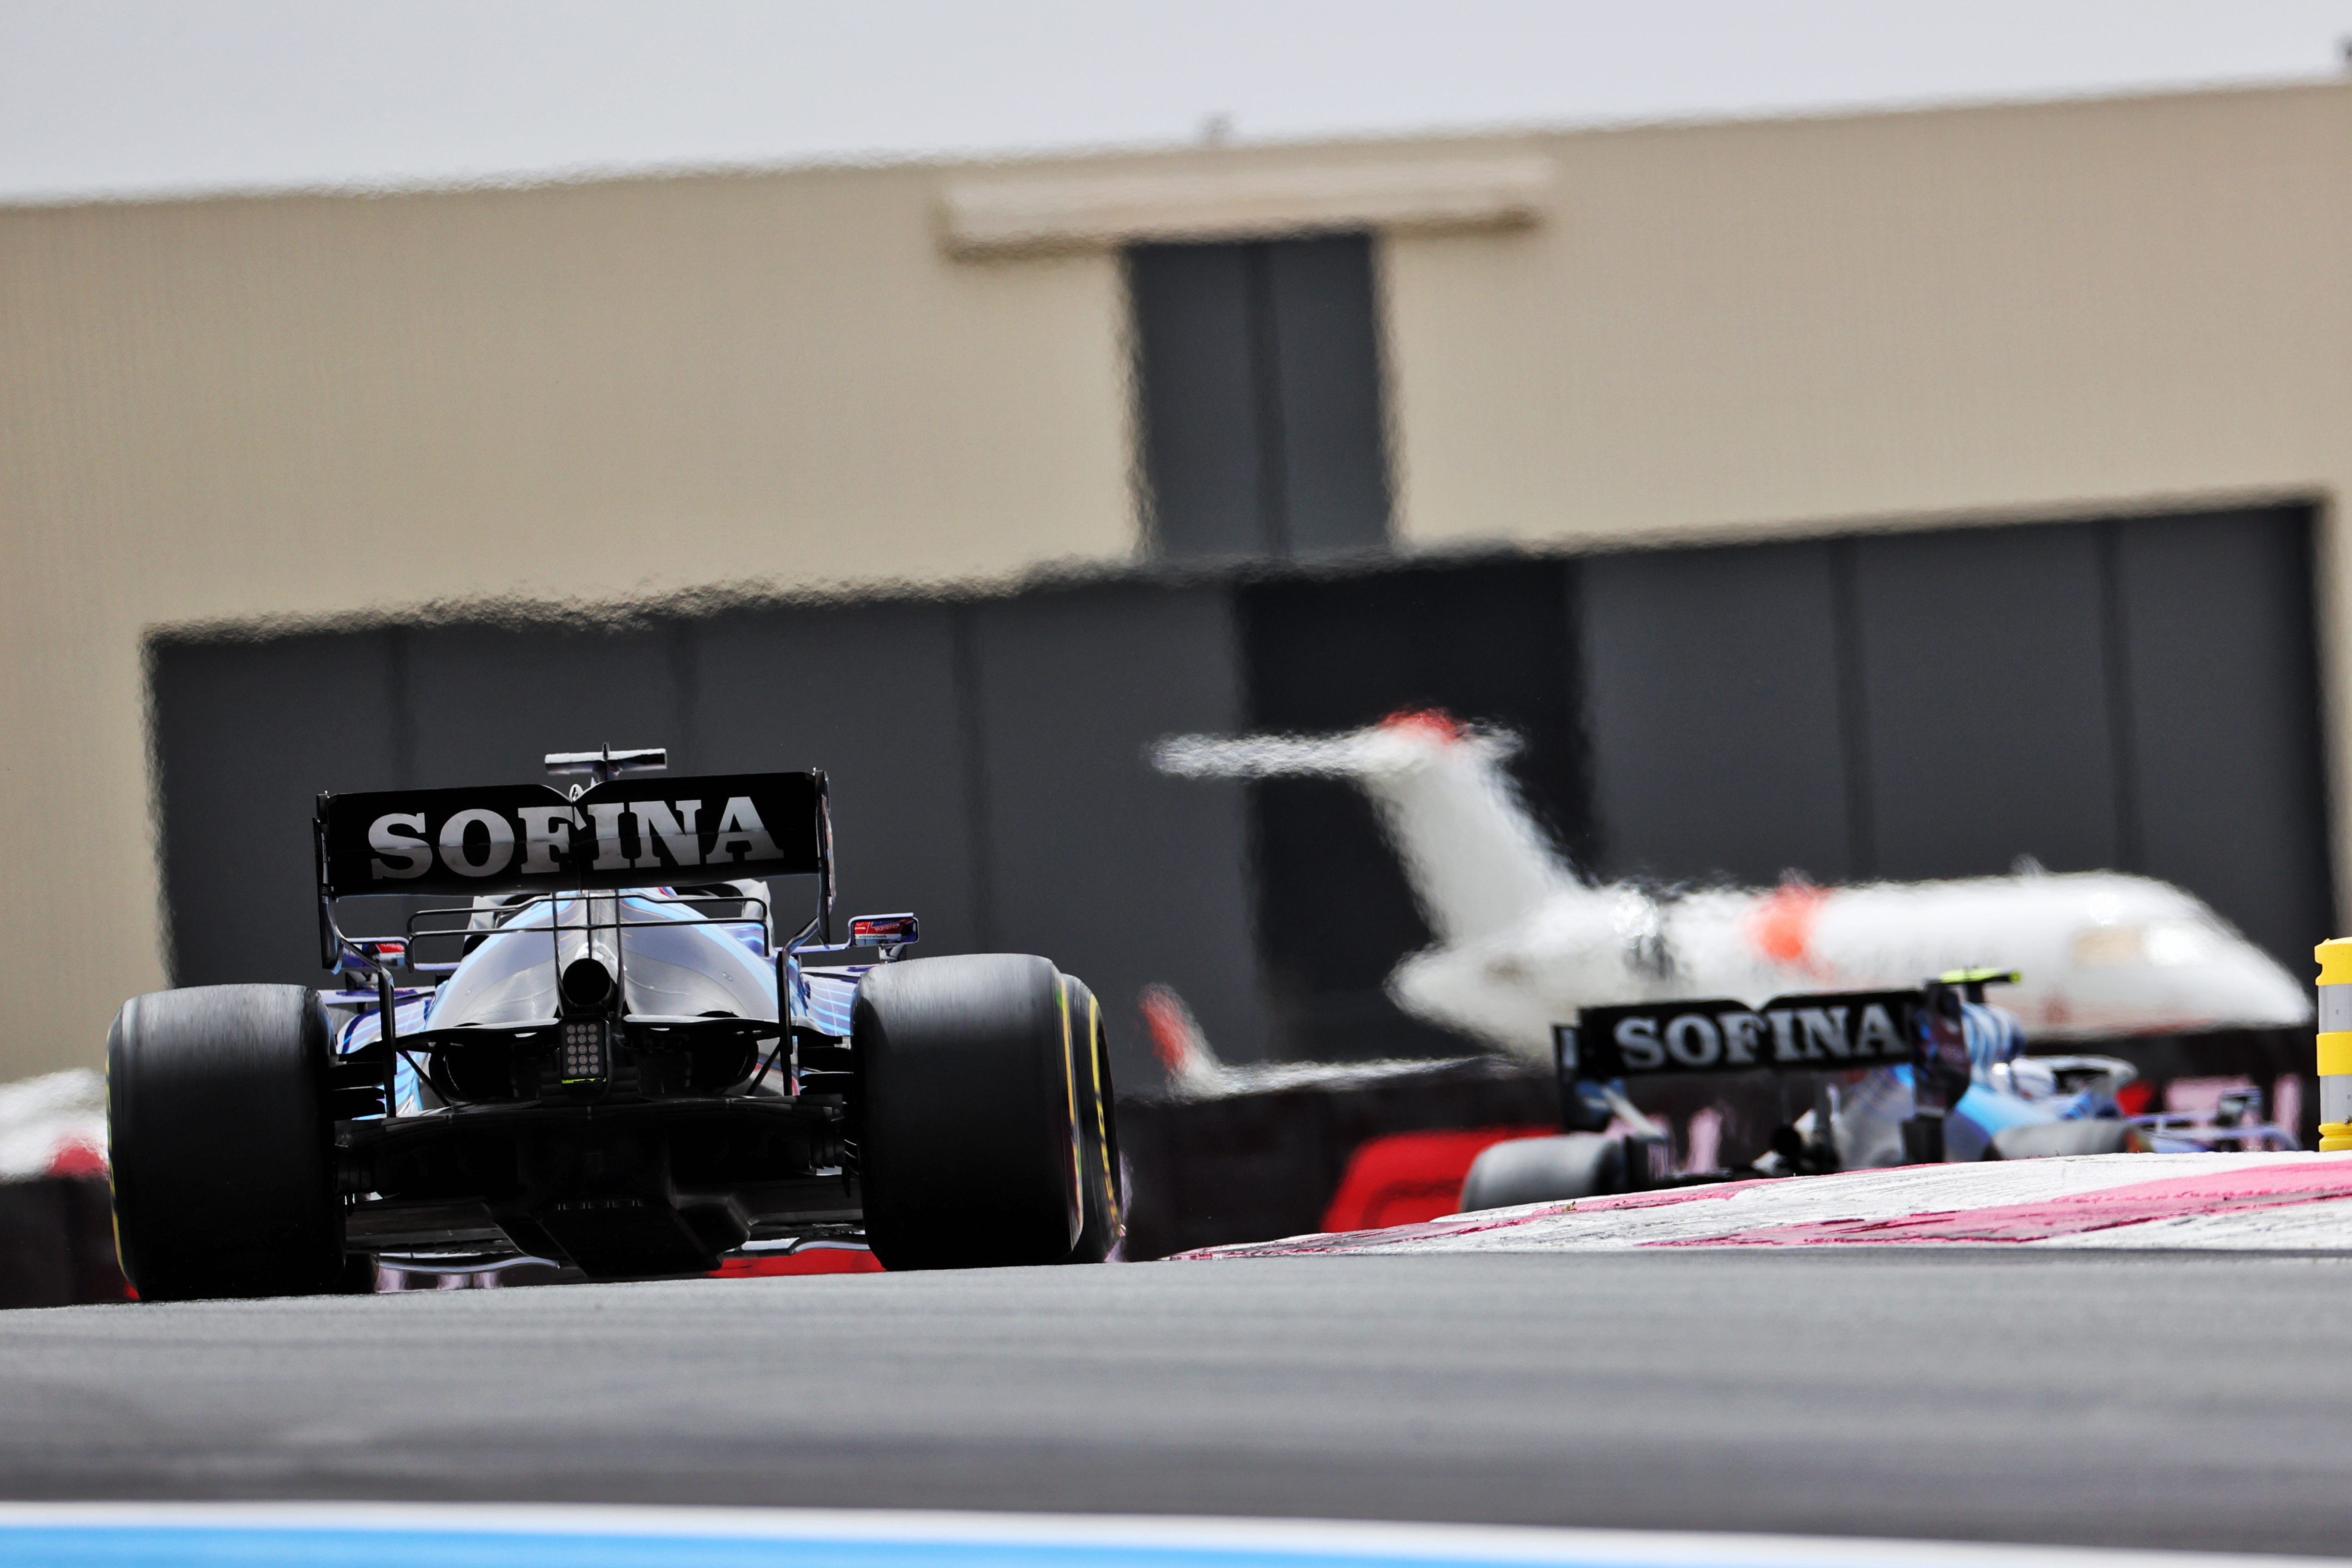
(2040, 1140)
(1102, 1207)
(967, 1142)
(1544, 1170)
(222, 1148)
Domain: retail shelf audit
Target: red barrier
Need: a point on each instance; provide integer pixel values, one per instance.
(1407, 1177)
(816, 1260)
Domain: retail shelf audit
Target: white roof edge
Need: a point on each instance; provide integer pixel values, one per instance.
(993, 215)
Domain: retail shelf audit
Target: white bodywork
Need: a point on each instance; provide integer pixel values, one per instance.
(671, 962)
(53, 1125)
(1524, 942)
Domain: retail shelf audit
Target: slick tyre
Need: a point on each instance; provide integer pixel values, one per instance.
(223, 1153)
(967, 1136)
(1544, 1170)
(1101, 1201)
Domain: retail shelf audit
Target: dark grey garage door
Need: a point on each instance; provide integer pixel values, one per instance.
(987, 764)
(2136, 693)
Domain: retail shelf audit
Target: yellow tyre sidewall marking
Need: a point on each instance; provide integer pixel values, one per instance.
(1070, 1096)
(1102, 1106)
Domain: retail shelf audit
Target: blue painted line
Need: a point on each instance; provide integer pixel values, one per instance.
(152, 1546)
(366, 1535)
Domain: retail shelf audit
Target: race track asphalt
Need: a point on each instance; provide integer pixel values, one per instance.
(2162, 1399)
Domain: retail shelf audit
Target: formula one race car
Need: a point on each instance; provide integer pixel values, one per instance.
(624, 1071)
(1897, 1077)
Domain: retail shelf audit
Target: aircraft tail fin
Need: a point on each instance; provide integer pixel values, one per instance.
(1194, 1069)
(1478, 862)
(1194, 1073)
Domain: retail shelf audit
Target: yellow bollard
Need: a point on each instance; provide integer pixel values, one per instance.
(2335, 1044)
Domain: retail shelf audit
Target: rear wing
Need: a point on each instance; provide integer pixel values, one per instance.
(625, 832)
(1823, 1032)
(1818, 1032)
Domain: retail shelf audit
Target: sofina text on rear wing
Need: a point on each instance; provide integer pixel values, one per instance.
(625, 832)
(1820, 1033)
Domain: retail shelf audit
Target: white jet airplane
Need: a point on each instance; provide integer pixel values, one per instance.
(1524, 941)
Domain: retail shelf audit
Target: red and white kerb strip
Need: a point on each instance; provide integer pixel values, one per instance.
(2223, 1202)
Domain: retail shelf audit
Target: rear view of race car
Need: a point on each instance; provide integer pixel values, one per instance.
(606, 1058)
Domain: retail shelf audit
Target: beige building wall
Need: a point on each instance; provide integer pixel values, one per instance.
(321, 407)
(1832, 323)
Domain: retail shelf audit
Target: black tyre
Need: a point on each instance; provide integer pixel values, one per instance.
(222, 1148)
(1544, 1170)
(2092, 1135)
(1101, 1203)
(967, 1136)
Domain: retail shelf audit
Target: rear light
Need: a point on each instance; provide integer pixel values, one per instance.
(582, 1058)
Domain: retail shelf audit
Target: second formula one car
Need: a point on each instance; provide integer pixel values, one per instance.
(608, 1054)
(1897, 1077)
